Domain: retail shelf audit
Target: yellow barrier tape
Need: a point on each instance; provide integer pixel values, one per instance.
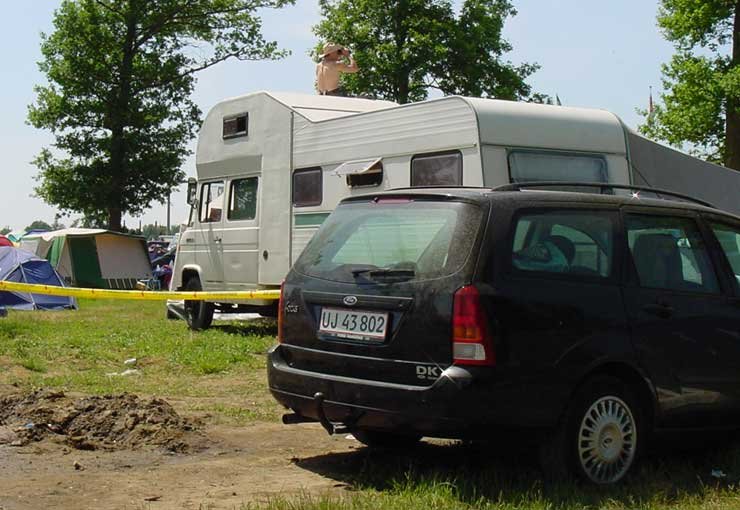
(51, 290)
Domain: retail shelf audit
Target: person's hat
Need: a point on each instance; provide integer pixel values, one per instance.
(330, 48)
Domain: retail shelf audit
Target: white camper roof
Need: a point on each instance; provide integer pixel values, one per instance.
(520, 124)
(507, 123)
(314, 107)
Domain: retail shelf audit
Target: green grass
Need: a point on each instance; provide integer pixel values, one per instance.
(79, 351)
(221, 373)
(473, 477)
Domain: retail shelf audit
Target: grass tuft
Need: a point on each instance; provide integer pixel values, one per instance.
(33, 364)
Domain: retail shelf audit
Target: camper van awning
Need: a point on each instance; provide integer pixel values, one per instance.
(365, 166)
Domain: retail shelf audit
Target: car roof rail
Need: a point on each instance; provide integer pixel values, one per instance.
(518, 186)
(439, 186)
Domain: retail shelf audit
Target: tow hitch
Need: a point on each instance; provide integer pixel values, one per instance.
(330, 426)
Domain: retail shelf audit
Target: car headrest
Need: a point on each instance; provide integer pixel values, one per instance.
(565, 245)
(657, 260)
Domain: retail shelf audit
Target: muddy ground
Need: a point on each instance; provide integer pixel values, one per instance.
(126, 452)
(71, 452)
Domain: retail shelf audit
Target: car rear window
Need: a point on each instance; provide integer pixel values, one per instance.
(421, 238)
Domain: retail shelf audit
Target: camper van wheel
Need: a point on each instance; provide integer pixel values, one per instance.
(199, 314)
(170, 315)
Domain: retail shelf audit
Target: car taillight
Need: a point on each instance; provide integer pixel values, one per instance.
(281, 311)
(471, 340)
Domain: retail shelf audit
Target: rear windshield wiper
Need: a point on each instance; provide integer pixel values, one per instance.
(380, 272)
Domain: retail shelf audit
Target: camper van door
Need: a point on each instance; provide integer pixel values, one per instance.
(240, 240)
(209, 234)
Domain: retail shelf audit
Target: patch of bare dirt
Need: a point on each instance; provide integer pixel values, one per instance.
(225, 467)
(241, 465)
(110, 422)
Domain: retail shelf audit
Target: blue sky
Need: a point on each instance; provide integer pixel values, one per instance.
(593, 53)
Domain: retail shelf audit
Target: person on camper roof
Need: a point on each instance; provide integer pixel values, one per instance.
(333, 62)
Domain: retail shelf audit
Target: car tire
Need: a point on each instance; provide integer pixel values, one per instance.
(600, 435)
(199, 314)
(385, 440)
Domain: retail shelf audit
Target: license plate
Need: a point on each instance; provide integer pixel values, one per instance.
(353, 324)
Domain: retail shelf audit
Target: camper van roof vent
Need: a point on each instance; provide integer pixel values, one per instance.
(365, 166)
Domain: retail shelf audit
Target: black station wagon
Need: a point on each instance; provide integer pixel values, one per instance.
(596, 319)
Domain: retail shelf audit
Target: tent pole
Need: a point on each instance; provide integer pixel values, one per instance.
(30, 296)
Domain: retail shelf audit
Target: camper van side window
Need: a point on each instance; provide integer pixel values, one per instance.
(307, 184)
(441, 169)
(211, 202)
(529, 166)
(243, 199)
(237, 125)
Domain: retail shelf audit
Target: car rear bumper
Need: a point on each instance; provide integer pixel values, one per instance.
(456, 405)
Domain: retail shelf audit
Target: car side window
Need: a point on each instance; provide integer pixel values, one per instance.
(211, 202)
(575, 243)
(669, 253)
(729, 239)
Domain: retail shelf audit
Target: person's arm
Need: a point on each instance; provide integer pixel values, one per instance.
(352, 67)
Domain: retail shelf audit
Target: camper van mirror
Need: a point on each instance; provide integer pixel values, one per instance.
(192, 191)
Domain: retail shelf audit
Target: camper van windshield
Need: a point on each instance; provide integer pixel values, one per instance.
(527, 166)
(420, 239)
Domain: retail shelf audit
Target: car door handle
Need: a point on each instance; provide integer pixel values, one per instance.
(661, 310)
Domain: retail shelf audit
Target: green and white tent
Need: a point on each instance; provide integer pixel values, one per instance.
(93, 258)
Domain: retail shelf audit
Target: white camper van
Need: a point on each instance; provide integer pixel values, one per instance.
(272, 166)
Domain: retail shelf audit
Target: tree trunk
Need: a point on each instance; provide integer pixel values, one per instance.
(403, 90)
(114, 220)
(402, 77)
(732, 124)
(119, 120)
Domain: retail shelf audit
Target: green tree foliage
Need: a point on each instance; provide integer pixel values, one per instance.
(5, 230)
(120, 74)
(701, 99)
(153, 231)
(38, 225)
(406, 47)
(58, 225)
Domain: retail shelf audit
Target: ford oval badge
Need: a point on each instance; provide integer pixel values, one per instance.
(350, 300)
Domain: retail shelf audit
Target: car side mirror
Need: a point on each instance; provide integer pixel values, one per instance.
(192, 191)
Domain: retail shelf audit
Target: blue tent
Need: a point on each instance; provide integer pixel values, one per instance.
(18, 265)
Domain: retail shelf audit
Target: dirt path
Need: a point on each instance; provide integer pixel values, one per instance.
(239, 465)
